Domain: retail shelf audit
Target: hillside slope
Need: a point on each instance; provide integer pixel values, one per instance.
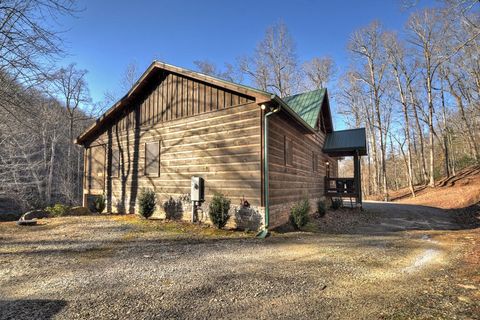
(455, 192)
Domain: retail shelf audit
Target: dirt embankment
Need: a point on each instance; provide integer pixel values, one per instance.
(459, 191)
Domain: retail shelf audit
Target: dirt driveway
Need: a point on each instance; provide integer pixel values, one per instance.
(388, 262)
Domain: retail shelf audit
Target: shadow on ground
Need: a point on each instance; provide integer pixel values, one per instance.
(30, 309)
(403, 217)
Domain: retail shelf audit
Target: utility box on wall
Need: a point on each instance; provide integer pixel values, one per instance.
(198, 189)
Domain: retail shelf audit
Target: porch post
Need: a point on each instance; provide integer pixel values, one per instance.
(357, 176)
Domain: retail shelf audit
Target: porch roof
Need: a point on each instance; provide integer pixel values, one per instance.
(346, 143)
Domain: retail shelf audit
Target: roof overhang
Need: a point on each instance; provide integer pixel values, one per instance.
(346, 143)
(292, 113)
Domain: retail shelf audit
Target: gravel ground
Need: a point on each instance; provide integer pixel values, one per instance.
(387, 262)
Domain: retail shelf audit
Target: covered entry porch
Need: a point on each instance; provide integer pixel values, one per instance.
(346, 143)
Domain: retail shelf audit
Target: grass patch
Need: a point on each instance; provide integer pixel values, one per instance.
(91, 254)
(310, 227)
(177, 229)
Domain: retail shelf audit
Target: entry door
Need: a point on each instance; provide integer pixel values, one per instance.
(96, 168)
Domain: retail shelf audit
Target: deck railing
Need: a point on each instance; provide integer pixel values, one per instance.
(340, 187)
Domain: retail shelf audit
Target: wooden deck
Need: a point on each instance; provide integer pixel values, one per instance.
(336, 187)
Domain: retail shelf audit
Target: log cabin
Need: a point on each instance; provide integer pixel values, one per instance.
(261, 151)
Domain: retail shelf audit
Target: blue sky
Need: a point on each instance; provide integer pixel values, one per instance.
(108, 35)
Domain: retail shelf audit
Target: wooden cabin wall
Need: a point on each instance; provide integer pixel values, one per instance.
(290, 183)
(203, 130)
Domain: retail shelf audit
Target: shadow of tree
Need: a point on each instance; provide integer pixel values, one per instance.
(30, 309)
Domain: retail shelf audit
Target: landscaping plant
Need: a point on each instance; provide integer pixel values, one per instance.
(57, 210)
(99, 204)
(219, 210)
(299, 213)
(147, 202)
(172, 208)
(336, 203)
(321, 208)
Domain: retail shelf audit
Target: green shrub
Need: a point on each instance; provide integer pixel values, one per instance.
(99, 204)
(58, 210)
(321, 208)
(219, 210)
(336, 203)
(299, 213)
(172, 208)
(147, 202)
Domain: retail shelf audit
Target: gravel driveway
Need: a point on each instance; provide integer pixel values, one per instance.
(394, 261)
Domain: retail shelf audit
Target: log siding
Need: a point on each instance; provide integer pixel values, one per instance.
(292, 175)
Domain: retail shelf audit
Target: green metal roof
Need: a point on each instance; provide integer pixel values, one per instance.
(307, 105)
(346, 142)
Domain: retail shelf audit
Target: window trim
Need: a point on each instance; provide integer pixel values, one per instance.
(145, 173)
(286, 154)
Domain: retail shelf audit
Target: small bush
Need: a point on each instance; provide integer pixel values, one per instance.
(321, 208)
(299, 213)
(58, 210)
(99, 204)
(336, 203)
(147, 202)
(172, 208)
(219, 210)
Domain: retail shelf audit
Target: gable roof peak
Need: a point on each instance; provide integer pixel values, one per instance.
(308, 105)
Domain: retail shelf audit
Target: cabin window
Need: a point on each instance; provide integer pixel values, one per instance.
(288, 151)
(152, 159)
(115, 163)
(314, 162)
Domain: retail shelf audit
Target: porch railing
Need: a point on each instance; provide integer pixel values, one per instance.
(340, 187)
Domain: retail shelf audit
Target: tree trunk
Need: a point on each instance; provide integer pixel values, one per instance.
(376, 100)
(445, 133)
(403, 100)
(69, 158)
(420, 135)
(51, 169)
(431, 182)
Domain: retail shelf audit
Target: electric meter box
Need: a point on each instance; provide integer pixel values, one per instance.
(198, 189)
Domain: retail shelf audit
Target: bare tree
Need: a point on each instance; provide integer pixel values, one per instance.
(28, 41)
(229, 73)
(274, 66)
(71, 88)
(367, 45)
(355, 103)
(396, 57)
(129, 77)
(318, 72)
(430, 31)
(33, 157)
